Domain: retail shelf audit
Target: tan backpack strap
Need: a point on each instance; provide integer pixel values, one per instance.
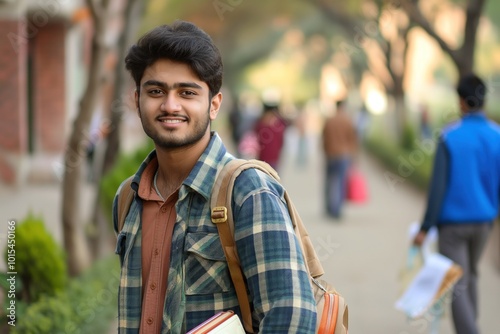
(125, 197)
(314, 267)
(222, 196)
(222, 217)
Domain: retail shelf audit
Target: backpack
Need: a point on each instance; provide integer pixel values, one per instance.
(331, 307)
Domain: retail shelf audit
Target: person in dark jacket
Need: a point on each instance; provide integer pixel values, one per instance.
(464, 195)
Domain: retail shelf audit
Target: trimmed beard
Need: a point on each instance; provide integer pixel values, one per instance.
(170, 141)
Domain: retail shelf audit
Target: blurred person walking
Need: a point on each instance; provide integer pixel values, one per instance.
(270, 131)
(362, 123)
(464, 196)
(174, 274)
(340, 144)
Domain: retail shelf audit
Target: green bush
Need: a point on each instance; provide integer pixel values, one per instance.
(126, 166)
(414, 166)
(87, 305)
(40, 261)
(408, 137)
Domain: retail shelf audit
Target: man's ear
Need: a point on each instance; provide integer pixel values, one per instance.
(136, 98)
(215, 104)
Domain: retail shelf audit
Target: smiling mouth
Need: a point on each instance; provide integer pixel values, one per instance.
(171, 121)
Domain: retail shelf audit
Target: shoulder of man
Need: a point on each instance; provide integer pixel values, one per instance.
(253, 181)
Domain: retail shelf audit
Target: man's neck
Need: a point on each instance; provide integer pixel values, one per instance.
(174, 165)
(472, 112)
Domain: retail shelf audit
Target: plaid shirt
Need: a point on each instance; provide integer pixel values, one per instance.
(199, 284)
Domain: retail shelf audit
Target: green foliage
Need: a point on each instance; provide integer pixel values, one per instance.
(492, 10)
(40, 261)
(408, 137)
(86, 306)
(414, 166)
(126, 166)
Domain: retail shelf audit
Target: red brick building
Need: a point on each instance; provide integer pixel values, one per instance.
(43, 48)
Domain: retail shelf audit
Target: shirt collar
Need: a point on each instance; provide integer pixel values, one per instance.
(202, 176)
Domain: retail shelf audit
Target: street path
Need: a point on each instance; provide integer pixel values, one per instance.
(362, 254)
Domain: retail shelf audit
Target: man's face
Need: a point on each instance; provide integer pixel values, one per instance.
(174, 105)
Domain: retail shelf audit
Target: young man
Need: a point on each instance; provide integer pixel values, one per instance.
(174, 272)
(464, 195)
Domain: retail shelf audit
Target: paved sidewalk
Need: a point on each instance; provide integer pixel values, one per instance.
(362, 254)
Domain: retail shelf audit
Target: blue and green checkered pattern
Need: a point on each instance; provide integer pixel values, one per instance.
(199, 284)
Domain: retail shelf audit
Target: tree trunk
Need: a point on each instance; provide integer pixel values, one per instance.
(133, 13)
(399, 108)
(398, 77)
(73, 232)
(463, 58)
(100, 238)
(465, 62)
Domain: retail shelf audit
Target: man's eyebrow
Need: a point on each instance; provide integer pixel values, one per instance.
(155, 83)
(188, 84)
(164, 85)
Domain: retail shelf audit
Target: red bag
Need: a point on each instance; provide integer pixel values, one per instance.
(357, 191)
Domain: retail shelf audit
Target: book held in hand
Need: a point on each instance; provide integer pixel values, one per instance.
(222, 323)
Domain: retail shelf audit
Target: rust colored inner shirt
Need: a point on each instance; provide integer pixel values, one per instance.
(158, 220)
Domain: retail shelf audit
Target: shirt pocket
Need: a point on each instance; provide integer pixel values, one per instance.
(206, 266)
(122, 244)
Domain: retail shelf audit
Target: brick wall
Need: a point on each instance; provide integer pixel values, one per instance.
(13, 112)
(13, 88)
(49, 90)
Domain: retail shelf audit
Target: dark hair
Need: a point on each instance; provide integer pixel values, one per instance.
(472, 90)
(183, 42)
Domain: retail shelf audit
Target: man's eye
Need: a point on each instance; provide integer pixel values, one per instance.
(188, 93)
(155, 92)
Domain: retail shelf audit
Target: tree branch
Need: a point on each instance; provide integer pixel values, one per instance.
(99, 9)
(473, 14)
(412, 9)
(337, 17)
(94, 8)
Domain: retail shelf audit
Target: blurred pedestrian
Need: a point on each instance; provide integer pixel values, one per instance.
(464, 195)
(301, 125)
(99, 130)
(270, 131)
(425, 127)
(340, 144)
(362, 123)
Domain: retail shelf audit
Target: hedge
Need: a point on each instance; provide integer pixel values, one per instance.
(87, 305)
(411, 164)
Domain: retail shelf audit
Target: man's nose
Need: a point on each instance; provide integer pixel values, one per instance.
(171, 103)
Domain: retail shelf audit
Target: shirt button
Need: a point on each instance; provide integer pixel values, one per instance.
(157, 251)
(149, 321)
(153, 286)
(164, 209)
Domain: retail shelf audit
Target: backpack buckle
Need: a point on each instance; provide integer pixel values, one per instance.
(219, 214)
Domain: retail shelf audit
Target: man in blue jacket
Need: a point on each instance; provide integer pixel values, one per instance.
(464, 195)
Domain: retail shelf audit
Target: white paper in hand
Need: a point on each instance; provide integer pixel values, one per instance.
(422, 291)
